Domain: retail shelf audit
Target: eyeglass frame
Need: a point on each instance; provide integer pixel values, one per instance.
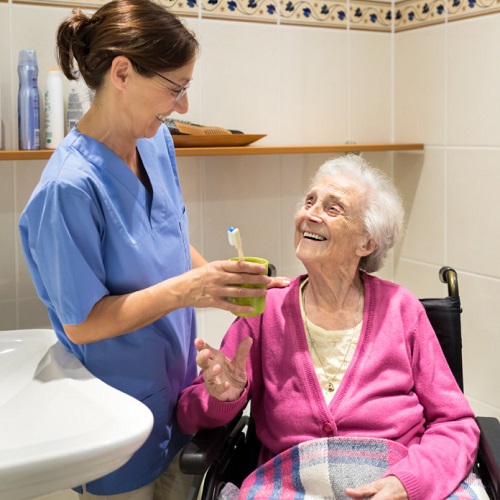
(180, 91)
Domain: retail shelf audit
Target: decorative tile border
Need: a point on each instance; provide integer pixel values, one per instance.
(418, 13)
(369, 15)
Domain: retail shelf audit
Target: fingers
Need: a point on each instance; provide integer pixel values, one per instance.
(279, 282)
(224, 379)
(242, 352)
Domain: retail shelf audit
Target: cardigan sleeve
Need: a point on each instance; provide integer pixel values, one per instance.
(196, 408)
(436, 465)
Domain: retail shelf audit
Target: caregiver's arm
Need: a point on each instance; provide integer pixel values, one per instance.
(207, 286)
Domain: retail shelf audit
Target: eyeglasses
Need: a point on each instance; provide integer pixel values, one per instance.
(179, 91)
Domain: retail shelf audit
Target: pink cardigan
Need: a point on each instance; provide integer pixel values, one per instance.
(398, 386)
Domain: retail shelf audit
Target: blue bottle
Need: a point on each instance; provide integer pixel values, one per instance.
(28, 101)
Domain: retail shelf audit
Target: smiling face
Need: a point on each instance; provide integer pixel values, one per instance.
(154, 99)
(329, 228)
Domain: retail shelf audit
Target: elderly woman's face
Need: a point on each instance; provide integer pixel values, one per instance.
(329, 227)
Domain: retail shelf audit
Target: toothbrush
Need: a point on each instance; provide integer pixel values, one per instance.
(233, 233)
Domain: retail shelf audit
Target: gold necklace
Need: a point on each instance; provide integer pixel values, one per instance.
(330, 387)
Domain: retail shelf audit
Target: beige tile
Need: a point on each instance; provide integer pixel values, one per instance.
(213, 324)
(243, 192)
(239, 77)
(420, 86)
(472, 211)
(7, 230)
(8, 315)
(313, 85)
(474, 79)
(420, 178)
(6, 119)
(420, 278)
(370, 87)
(191, 180)
(32, 314)
(481, 342)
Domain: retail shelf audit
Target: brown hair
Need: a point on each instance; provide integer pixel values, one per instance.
(142, 30)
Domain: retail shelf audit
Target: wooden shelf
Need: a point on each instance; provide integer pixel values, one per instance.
(44, 154)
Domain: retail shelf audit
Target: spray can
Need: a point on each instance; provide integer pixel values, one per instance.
(28, 101)
(54, 109)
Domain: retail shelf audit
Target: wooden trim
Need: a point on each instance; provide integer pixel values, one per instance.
(45, 154)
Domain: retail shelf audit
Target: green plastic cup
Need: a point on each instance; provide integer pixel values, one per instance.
(258, 303)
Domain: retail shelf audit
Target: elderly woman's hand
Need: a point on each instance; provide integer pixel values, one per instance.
(224, 379)
(387, 488)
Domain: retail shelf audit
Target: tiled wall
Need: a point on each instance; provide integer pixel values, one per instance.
(446, 95)
(302, 84)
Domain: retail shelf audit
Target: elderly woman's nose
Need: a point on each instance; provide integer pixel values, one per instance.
(314, 213)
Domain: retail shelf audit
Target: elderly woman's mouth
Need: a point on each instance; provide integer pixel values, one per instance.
(312, 236)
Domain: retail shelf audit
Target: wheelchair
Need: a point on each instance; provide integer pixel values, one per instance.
(230, 453)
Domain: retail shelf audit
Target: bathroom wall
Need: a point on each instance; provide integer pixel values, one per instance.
(302, 84)
(446, 95)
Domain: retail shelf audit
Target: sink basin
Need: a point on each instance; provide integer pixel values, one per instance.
(59, 425)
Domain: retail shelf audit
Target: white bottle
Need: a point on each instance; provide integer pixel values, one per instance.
(54, 109)
(75, 110)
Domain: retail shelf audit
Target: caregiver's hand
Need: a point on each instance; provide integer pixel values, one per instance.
(211, 284)
(225, 379)
(387, 488)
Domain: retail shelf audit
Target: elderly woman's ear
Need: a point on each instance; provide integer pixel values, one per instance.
(367, 247)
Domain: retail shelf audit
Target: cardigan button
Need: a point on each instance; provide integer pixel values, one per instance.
(328, 429)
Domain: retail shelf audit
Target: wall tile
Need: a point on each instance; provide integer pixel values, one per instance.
(420, 278)
(370, 87)
(313, 85)
(239, 74)
(420, 86)
(5, 79)
(191, 180)
(474, 236)
(32, 314)
(7, 228)
(473, 82)
(244, 195)
(481, 342)
(421, 181)
(8, 315)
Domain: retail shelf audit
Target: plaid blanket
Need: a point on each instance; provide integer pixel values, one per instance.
(323, 468)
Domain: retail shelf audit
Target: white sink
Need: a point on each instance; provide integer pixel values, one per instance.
(59, 425)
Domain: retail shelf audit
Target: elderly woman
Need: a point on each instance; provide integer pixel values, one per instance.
(342, 353)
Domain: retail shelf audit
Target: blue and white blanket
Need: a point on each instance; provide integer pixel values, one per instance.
(323, 468)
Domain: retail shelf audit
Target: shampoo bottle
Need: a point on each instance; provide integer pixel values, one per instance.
(75, 110)
(54, 109)
(28, 101)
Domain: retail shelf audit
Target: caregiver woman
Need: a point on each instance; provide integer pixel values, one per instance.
(105, 231)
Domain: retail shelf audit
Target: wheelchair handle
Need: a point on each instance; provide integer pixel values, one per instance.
(448, 275)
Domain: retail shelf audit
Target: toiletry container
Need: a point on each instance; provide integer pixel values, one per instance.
(75, 110)
(28, 101)
(54, 109)
(84, 93)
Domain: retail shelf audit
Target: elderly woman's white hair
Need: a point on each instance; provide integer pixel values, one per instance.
(383, 213)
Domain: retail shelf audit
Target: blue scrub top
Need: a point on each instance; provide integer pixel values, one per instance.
(91, 229)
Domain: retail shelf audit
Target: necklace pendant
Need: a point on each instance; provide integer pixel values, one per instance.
(330, 387)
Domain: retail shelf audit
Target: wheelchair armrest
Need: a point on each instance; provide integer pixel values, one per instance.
(207, 445)
(489, 453)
